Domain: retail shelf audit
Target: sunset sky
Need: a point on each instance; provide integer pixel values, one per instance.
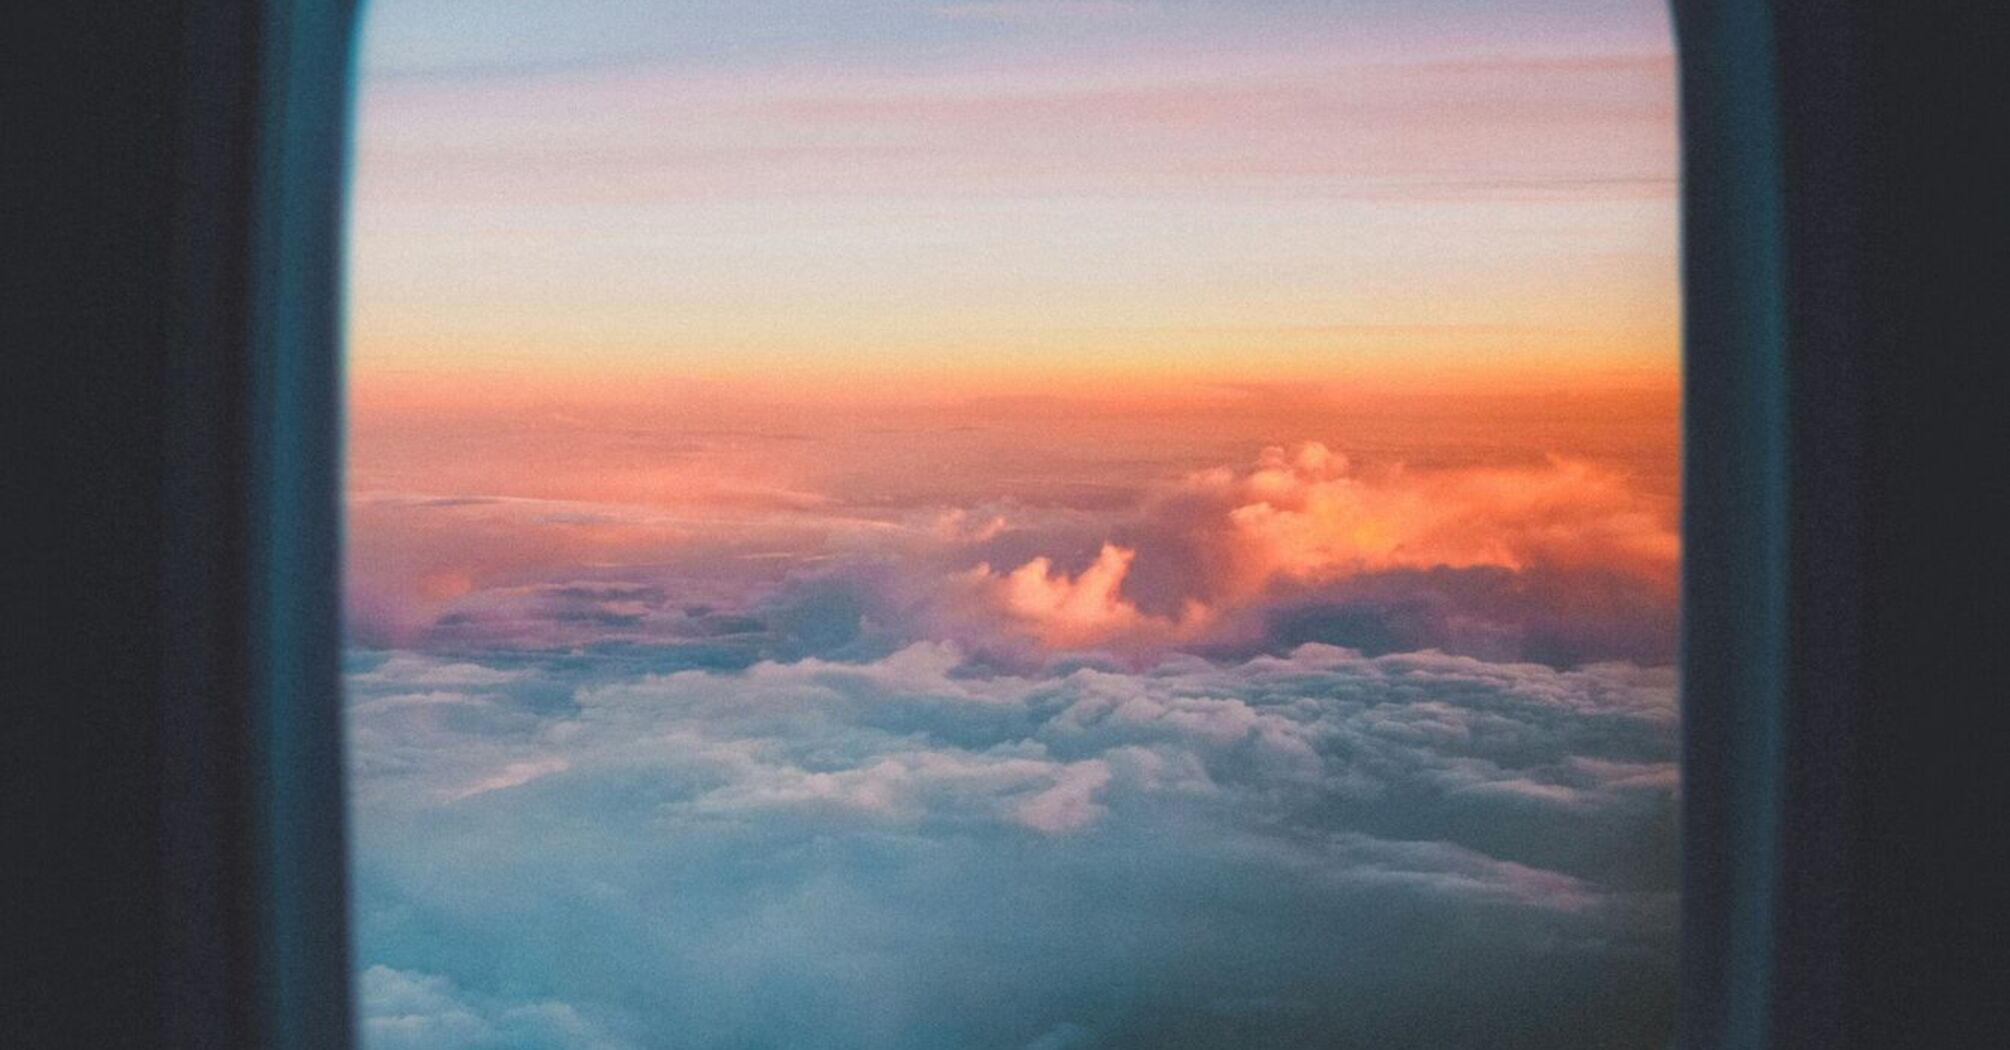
(1027, 524)
(983, 198)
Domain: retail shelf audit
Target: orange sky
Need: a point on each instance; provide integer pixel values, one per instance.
(746, 315)
(1012, 216)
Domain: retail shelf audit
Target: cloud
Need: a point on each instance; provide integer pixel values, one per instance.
(1085, 609)
(1232, 555)
(1300, 752)
(1551, 559)
(915, 850)
(515, 774)
(410, 671)
(1070, 803)
(404, 1010)
(1303, 514)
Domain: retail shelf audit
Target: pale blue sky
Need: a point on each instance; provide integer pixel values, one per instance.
(473, 37)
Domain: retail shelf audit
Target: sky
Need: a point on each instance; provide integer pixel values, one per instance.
(992, 197)
(1031, 524)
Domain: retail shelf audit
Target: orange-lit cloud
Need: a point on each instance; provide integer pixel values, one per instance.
(1303, 516)
(1085, 609)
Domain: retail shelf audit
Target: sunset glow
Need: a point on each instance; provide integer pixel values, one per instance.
(1026, 524)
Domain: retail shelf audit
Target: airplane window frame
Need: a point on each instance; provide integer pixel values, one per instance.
(1735, 658)
(247, 773)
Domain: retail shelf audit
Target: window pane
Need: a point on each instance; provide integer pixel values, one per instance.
(1022, 524)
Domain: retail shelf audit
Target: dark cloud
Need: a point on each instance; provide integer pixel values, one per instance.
(1560, 617)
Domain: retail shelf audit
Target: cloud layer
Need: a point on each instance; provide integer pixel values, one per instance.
(1312, 849)
(991, 748)
(1555, 560)
(1227, 546)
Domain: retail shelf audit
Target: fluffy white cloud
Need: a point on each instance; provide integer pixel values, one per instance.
(404, 1010)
